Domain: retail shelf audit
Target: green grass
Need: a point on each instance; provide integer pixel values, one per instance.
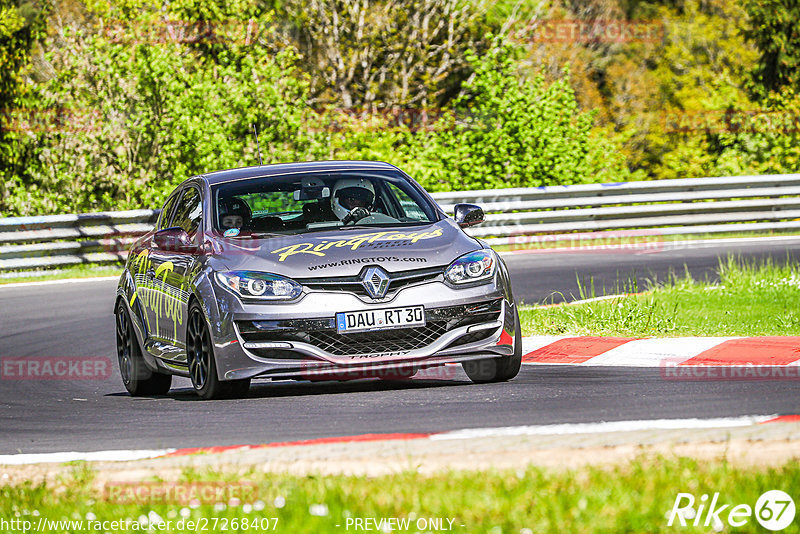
(79, 271)
(749, 300)
(632, 498)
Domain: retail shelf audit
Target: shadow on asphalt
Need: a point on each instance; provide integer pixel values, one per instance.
(266, 390)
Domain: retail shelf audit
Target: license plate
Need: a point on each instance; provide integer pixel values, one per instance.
(382, 319)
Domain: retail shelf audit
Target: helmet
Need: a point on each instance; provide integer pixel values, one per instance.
(233, 207)
(349, 193)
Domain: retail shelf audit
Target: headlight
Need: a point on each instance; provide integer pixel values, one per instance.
(262, 286)
(473, 267)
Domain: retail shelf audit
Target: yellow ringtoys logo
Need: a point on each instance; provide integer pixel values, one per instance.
(153, 295)
(318, 249)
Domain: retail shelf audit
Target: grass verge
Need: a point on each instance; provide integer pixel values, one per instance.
(632, 498)
(749, 300)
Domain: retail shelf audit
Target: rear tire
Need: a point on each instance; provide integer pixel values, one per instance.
(138, 379)
(497, 369)
(202, 363)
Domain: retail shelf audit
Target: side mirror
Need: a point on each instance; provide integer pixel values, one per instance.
(468, 215)
(174, 239)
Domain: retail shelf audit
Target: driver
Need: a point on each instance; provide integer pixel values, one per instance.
(352, 198)
(234, 213)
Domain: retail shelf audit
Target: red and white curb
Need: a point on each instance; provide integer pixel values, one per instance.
(467, 433)
(662, 352)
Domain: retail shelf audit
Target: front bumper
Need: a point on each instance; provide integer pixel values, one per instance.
(300, 340)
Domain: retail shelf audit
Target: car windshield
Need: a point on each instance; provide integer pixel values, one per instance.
(299, 203)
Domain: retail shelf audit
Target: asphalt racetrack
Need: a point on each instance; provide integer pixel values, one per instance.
(75, 319)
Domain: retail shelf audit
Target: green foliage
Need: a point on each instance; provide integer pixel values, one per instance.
(130, 114)
(378, 53)
(775, 31)
(144, 118)
(21, 26)
(681, 105)
(118, 109)
(507, 132)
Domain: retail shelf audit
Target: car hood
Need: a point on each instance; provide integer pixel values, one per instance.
(346, 252)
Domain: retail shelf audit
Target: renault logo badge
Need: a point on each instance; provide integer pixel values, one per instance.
(376, 282)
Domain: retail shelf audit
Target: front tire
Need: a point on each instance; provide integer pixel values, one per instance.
(202, 364)
(138, 379)
(497, 369)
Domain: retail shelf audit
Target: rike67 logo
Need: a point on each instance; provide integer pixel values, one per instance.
(774, 510)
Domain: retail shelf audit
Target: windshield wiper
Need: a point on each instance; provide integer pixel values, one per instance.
(381, 225)
(265, 234)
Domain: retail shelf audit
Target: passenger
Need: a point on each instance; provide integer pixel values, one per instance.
(234, 213)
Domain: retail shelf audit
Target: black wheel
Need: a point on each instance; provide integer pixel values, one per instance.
(202, 365)
(497, 369)
(139, 380)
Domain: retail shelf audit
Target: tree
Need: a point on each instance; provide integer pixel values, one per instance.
(384, 53)
(775, 30)
(127, 121)
(512, 132)
(21, 26)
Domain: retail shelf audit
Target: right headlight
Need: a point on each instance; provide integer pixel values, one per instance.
(478, 266)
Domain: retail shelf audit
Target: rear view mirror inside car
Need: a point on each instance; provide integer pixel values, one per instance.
(312, 189)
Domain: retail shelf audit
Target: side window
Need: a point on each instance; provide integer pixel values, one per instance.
(166, 211)
(411, 209)
(189, 211)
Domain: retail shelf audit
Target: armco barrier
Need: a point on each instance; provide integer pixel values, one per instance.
(62, 240)
(683, 206)
(514, 216)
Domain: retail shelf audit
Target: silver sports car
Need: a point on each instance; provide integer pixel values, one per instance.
(314, 271)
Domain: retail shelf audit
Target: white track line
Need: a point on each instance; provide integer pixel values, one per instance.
(604, 427)
(467, 433)
(99, 456)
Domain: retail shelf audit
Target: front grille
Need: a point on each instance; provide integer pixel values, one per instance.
(354, 284)
(322, 333)
(397, 340)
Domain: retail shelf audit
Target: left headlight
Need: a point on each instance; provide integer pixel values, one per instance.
(478, 266)
(261, 286)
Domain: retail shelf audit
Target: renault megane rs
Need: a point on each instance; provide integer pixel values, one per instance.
(316, 271)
